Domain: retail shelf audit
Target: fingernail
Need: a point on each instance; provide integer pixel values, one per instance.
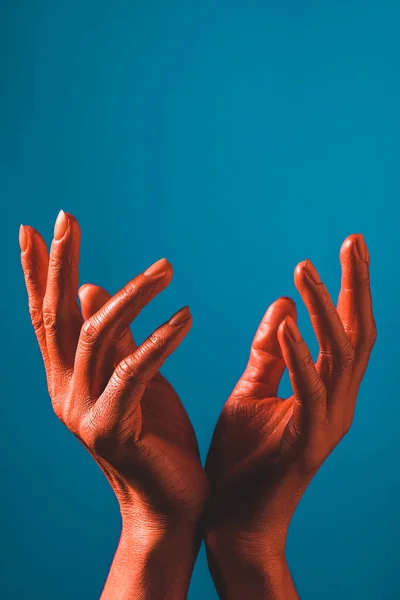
(362, 249)
(311, 271)
(291, 329)
(23, 238)
(157, 268)
(180, 317)
(61, 225)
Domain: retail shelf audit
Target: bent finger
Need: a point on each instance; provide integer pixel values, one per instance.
(93, 298)
(336, 352)
(125, 389)
(103, 330)
(309, 391)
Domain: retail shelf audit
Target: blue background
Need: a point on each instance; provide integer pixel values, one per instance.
(235, 139)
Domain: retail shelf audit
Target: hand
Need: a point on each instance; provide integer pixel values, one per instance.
(109, 393)
(265, 450)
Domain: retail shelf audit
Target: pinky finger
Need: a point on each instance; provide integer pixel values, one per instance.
(309, 407)
(127, 384)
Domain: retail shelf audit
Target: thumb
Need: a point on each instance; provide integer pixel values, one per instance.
(266, 365)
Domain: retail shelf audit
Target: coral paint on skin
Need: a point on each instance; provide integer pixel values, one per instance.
(110, 394)
(266, 450)
(23, 238)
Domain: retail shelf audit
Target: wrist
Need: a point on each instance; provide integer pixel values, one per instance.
(154, 559)
(252, 567)
(254, 545)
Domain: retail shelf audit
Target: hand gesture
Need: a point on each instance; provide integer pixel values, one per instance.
(265, 450)
(109, 392)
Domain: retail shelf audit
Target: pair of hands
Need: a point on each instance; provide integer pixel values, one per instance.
(264, 451)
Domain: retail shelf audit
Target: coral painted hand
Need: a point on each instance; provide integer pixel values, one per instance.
(110, 394)
(265, 450)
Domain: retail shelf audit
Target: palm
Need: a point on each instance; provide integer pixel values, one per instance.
(169, 444)
(251, 431)
(268, 448)
(252, 441)
(255, 442)
(166, 455)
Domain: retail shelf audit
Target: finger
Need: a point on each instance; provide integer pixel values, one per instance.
(35, 260)
(336, 352)
(309, 407)
(355, 302)
(92, 299)
(102, 331)
(126, 387)
(266, 365)
(61, 314)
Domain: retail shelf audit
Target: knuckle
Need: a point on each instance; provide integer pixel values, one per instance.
(152, 351)
(55, 264)
(50, 320)
(136, 293)
(141, 290)
(127, 369)
(331, 309)
(36, 317)
(89, 331)
(306, 361)
(347, 355)
(28, 274)
(346, 363)
(155, 341)
(62, 257)
(319, 393)
(363, 281)
(131, 288)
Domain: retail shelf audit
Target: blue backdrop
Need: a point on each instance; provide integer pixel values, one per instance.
(235, 139)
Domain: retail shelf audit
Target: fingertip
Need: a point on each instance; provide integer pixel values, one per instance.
(84, 289)
(290, 330)
(160, 268)
(306, 274)
(60, 226)
(65, 222)
(93, 295)
(299, 271)
(281, 329)
(354, 244)
(285, 302)
(35, 246)
(278, 309)
(182, 317)
(23, 238)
